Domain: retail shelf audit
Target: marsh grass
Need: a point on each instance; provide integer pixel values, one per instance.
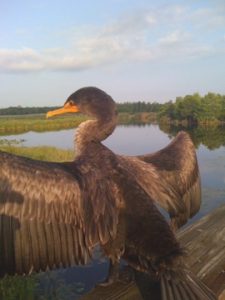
(39, 123)
(41, 153)
(45, 153)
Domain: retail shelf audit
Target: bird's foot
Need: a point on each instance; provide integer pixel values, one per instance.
(107, 282)
(113, 274)
(125, 276)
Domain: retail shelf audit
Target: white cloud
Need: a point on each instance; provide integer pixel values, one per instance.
(172, 38)
(25, 59)
(150, 19)
(144, 35)
(209, 18)
(120, 40)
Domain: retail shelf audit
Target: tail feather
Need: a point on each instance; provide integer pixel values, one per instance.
(183, 294)
(171, 290)
(184, 285)
(201, 285)
(176, 292)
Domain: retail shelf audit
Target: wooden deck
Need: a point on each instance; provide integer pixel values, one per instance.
(205, 241)
(205, 244)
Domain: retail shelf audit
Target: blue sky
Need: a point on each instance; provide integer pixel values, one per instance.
(134, 50)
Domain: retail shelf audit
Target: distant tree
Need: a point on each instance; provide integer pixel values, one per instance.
(194, 108)
(137, 107)
(222, 111)
(188, 108)
(167, 110)
(19, 110)
(211, 105)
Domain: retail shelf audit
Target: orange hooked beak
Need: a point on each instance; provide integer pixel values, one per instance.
(67, 108)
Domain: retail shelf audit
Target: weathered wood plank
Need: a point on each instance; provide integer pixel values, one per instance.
(205, 244)
(116, 291)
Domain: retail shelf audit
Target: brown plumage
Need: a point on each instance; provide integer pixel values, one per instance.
(100, 199)
(171, 178)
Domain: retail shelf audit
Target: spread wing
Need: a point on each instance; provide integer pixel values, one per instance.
(171, 177)
(45, 193)
(30, 245)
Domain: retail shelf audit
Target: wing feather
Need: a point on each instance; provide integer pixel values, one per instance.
(76, 198)
(171, 177)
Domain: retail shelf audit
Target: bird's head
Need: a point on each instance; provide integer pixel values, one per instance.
(90, 101)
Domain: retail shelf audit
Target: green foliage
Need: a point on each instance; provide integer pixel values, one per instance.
(41, 286)
(138, 107)
(17, 287)
(194, 109)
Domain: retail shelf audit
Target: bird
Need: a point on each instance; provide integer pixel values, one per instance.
(105, 201)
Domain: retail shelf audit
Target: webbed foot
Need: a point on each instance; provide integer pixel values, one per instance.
(113, 274)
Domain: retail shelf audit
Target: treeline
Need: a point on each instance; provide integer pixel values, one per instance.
(194, 109)
(137, 107)
(128, 107)
(19, 110)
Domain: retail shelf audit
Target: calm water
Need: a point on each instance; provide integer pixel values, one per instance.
(133, 140)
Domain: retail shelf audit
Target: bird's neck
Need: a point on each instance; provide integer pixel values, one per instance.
(92, 132)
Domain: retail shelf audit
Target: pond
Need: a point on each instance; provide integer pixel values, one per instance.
(73, 283)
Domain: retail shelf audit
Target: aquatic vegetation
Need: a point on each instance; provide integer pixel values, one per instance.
(6, 142)
(17, 287)
(42, 286)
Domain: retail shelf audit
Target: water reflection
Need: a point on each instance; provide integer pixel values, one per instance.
(128, 139)
(212, 137)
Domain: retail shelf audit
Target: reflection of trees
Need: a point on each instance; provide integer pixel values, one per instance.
(212, 137)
